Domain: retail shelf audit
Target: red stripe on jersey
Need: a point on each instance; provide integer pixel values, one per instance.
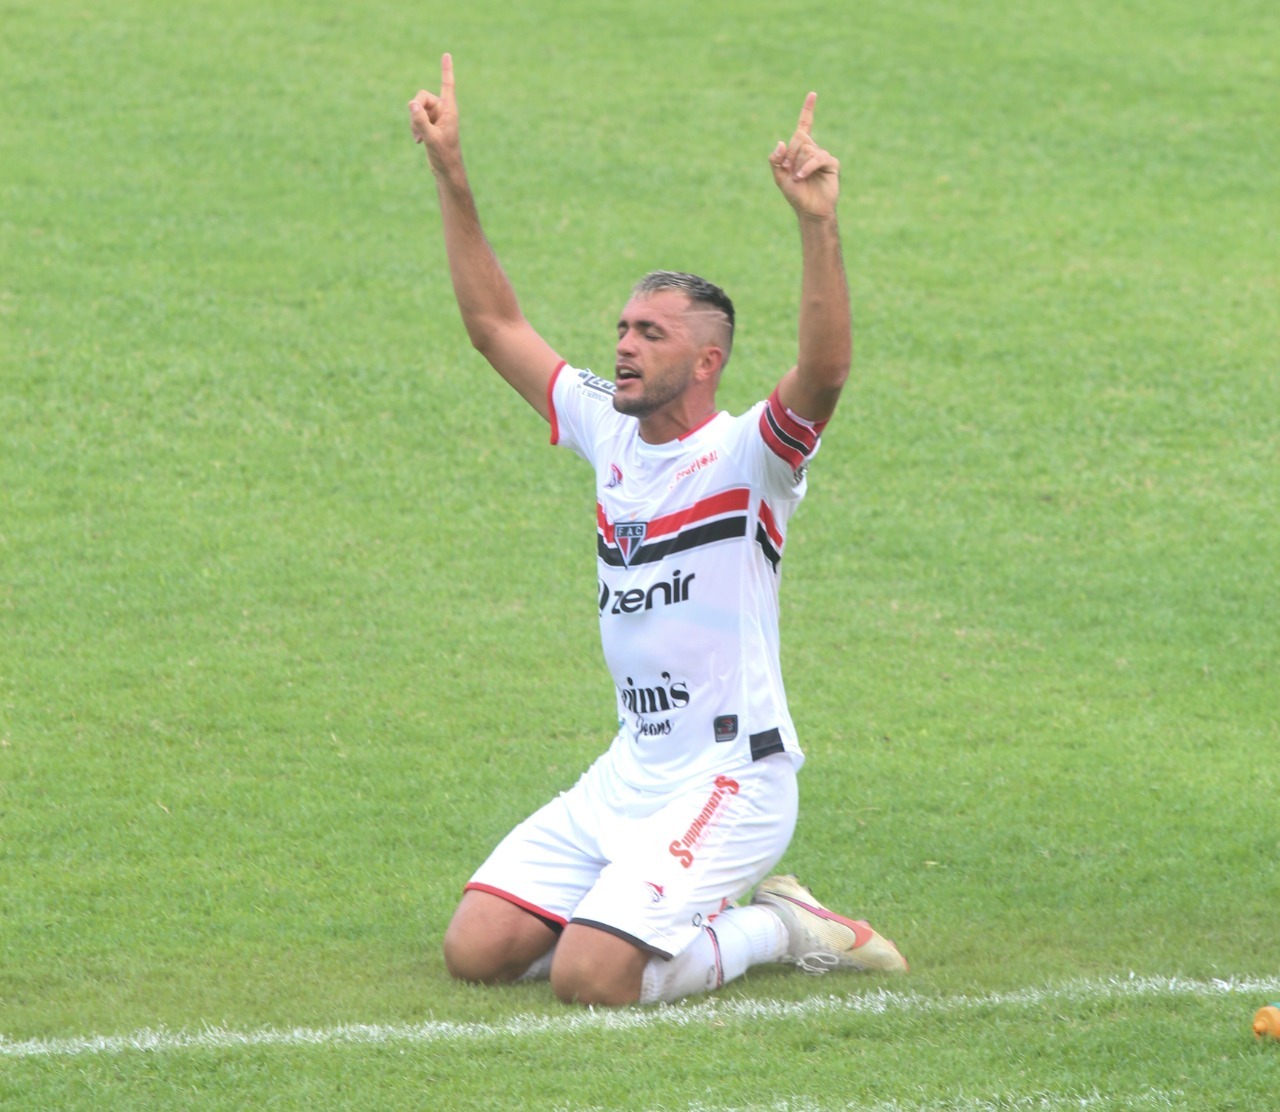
(770, 524)
(551, 402)
(727, 501)
(785, 435)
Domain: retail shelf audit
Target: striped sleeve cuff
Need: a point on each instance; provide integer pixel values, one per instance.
(790, 438)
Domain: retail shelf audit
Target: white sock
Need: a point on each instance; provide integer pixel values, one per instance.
(736, 940)
(540, 970)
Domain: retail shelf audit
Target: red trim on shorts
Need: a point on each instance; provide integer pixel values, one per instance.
(551, 409)
(524, 905)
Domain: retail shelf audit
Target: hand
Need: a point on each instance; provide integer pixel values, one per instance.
(808, 176)
(435, 122)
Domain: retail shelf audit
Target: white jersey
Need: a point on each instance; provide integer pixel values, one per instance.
(690, 538)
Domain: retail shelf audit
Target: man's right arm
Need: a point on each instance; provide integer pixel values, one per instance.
(488, 304)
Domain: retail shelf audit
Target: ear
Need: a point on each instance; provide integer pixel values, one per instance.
(711, 361)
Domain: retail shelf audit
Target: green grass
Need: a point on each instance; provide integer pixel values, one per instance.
(296, 607)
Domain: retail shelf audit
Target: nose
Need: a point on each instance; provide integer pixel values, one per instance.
(626, 345)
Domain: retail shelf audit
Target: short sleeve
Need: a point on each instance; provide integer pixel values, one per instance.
(581, 410)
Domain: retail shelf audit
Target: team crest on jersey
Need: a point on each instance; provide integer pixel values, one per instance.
(615, 477)
(629, 536)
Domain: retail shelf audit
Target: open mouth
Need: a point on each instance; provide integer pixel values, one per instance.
(625, 374)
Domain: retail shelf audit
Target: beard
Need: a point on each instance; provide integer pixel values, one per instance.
(655, 394)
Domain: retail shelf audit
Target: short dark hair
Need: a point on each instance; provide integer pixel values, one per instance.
(696, 289)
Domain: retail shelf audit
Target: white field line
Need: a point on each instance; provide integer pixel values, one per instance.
(706, 1010)
(1042, 1101)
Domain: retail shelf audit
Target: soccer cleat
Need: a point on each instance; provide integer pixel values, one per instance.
(821, 940)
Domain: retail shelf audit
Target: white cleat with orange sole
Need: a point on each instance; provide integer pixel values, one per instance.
(821, 940)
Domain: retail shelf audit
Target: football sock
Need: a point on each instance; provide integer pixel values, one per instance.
(738, 939)
(540, 970)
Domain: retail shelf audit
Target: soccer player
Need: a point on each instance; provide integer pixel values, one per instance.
(624, 888)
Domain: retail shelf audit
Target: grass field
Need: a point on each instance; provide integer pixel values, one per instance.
(297, 608)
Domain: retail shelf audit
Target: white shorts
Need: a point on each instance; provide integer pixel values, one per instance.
(649, 868)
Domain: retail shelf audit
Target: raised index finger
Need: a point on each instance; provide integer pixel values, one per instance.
(446, 76)
(806, 114)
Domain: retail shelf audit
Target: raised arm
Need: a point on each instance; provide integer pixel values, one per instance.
(488, 304)
(809, 178)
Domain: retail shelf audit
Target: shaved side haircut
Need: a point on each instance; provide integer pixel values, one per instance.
(697, 290)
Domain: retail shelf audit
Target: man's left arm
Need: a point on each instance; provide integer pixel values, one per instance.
(809, 178)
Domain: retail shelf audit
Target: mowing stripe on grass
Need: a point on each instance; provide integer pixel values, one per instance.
(879, 1002)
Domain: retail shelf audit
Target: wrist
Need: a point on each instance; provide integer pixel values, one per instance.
(449, 171)
(821, 218)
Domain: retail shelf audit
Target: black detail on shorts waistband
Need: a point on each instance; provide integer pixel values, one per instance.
(766, 744)
(638, 943)
(557, 927)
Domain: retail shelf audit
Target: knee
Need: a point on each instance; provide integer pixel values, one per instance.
(574, 984)
(609, 975)
(465, 959)
(491, 942)
(568, 983)
(480, 957)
